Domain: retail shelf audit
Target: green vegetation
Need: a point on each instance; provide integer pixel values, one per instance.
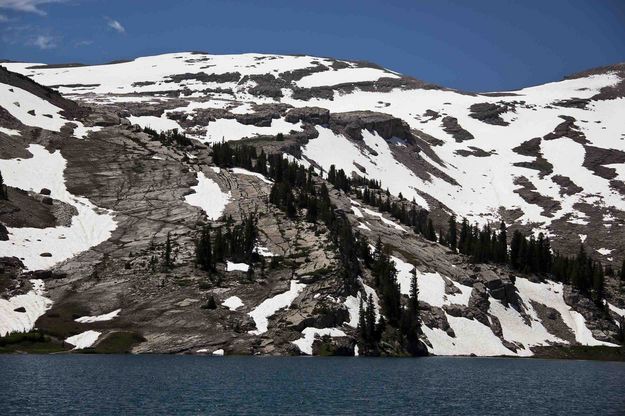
(117, 343)
(581, 352)
(34, 342)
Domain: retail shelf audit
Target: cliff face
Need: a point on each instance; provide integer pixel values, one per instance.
(94, 199)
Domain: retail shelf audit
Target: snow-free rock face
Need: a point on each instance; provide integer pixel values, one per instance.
(549, 158)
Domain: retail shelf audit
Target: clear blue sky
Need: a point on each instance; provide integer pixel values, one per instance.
(476, 45)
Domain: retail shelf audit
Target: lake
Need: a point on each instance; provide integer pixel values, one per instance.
(192, 385)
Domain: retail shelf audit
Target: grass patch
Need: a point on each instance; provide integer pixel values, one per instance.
(117, 343)
(33, 342)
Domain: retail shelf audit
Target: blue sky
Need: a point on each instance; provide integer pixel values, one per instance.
(476, 45)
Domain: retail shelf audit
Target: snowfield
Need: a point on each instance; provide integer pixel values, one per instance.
(483, 184)
(159, 124)
(90, 227)
(241, 171)
(231, 130)
(20, 103)
(342, 76)
(34, 303)
(473, 337)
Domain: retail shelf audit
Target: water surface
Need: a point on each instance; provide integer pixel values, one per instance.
(163, 384)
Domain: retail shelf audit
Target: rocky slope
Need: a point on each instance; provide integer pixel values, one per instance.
(92, 199)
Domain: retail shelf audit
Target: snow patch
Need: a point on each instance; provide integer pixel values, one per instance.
(234, 267)
(269, 307)
(241, 171)
(159, 124)
(84, 339)
(209, 197)
(233, 303)
(344, 75)
(305, 343)
(472, 337)
(98, 318)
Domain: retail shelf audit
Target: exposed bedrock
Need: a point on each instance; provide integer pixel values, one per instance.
(489, 113)
(451, 126)
(353, 122)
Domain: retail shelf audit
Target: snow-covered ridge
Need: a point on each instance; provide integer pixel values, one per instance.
(484, 183)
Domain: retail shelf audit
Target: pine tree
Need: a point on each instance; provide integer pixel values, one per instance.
(362, 321)
(4, 191)
(452, 233)
(168, 262)
(430, 234)
(464, 240)
(598, 284)
(219, 249)
(502, 244)
(516, 245)
(414, 298)
(370, 318)
(203, 250)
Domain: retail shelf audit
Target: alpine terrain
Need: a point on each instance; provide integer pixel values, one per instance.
(295, 205)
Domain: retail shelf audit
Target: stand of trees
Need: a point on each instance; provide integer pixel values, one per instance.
(404, 319)
(528, 255)
(229, 242)
(300, 196)
(169, 138)
(369, 191)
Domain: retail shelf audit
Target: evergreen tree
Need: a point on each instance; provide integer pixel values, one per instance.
(598, 284)
(515, 249)
(219, 249)
(203, 250)
(452, 233)
(370, 319)
(502, 244)
(3, 189)
(362, 321)
(414, 298)
(464, 240)
(430, 234)
(168, 262)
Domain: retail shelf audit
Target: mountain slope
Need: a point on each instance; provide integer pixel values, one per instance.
(545, 158)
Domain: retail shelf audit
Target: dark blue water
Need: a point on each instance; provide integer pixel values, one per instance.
(124, 384)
